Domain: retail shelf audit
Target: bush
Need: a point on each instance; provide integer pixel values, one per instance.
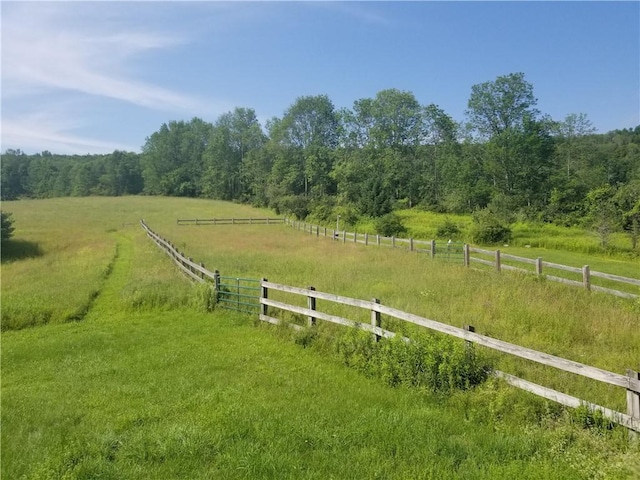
(488, 229)
(7, 225)
(390, 225)
(448, 230)
(435, 362)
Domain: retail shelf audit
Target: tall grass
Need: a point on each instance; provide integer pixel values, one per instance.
(148, 385)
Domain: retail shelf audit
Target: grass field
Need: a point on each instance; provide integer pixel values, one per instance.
(146, 384)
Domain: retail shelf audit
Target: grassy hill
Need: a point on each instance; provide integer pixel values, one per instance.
(141, 382)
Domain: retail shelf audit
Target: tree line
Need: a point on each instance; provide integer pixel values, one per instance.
(382, 154)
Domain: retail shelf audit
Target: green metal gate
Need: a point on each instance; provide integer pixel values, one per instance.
(239, 294)
(449, 251)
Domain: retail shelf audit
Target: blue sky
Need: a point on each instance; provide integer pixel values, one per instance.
(91, 77)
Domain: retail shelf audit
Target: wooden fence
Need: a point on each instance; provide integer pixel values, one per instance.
(495, 259)
(630, 381)
(231, 221)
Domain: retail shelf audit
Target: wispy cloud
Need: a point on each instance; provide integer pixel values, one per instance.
(48, 48)
(39, 132)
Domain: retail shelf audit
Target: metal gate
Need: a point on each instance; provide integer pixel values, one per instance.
(239, 294)
(449, 251)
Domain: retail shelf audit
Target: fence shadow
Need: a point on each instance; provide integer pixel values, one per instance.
(15, 249)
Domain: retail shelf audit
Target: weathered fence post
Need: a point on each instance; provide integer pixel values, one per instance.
(432, 248)
(202, 273)
(375, 320)
(586, 277)
(393, 241)
(344, 236)
(317, 231)
(497, 260)
(378, 239)
(633, 403)
(366, 239)
(469, 328)
(411, 244)
(539, 266)
(355, 237)
(311, 304)
(325, 231)
(467, 257)
(233, 221)
(264, 293)
(216, 284)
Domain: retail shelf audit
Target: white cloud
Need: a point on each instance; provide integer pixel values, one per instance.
(50, 48)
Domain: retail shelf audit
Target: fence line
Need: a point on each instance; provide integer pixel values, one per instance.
(243, 301)
(453, 251)
(230, 221)
(630, 382)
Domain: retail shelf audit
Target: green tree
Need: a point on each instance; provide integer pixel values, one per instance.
(6, 220)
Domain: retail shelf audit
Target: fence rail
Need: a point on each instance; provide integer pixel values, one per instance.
(252, 296)
(231, 221)
(458, 252)
(631, 381)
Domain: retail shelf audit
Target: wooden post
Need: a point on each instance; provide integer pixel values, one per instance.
(335, 235)
(586, 277)
(393, 241)
(201, 273)
(250, 221)
(355, 237)
(264, 293)
(469, 328)
(497, 260)
(466, 253)
(432, 248)
(539, 266)
(344, 236)
(375, 320)
(317, 231)
(378, 239)
(411, 244)
(216, 284)
(311, 304)
(267, 220)
(197, 222)
(366, 239)
(633, 403)
(233, 221)
(325, 231)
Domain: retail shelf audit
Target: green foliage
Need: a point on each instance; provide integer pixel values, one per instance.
(434, 362)
(7, 227)
(587, 418)
(390, 225)
(488, 229)
(448, 229)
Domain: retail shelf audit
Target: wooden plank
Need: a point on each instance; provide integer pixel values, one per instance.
(564, 399)
(522, 352)
(616, 278)
(562, 267)
(321, 295)
(506, 256)
(330, 318)
(514, 269)
(277, 321)
(479, 250)
(617, 293)
(483, 261)
(564, 280)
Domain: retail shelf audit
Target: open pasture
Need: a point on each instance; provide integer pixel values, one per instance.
(148, 385)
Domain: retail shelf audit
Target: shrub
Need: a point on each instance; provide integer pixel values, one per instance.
(487, 228)
(7, 225)
(448, 230)
(390, 225)
(435, 362)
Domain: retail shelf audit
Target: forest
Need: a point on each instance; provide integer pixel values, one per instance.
(505, 158)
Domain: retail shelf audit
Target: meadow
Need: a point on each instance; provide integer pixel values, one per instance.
(146, 383)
